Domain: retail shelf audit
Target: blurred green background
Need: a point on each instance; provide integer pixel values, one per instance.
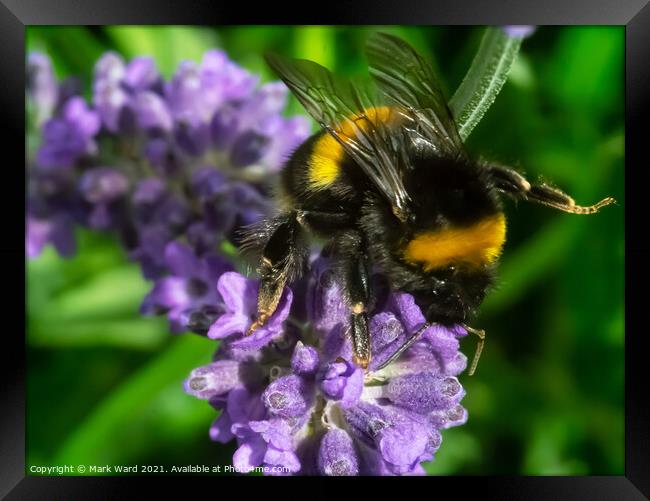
(104, 384)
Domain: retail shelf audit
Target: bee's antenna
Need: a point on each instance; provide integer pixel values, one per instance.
(572, 208)
(511, 182)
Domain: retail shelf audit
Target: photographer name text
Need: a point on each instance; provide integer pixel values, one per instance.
(93, 469)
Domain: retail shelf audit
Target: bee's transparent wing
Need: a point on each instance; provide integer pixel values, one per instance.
(339, 107)
(408, 81)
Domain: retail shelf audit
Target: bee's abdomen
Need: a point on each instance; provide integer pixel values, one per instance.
(340, 180)
(322, 163)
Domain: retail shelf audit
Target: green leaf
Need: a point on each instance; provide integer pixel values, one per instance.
(114, 292)
(531, 262)
(484, 80)
(585, 72)
(315, 43)
(168, 45)
(135, 333)
(130, 420)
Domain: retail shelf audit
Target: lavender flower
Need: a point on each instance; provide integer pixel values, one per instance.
(211, 118)
(55, 230)
(308, 409)
(190, 293)
(182, 165)
(41, 86)
(239, 299)
(68, 138)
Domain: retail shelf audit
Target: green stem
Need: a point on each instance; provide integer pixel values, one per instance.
(483, 82)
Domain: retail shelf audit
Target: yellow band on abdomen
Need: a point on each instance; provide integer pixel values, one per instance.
(325, 161)
(474, 246)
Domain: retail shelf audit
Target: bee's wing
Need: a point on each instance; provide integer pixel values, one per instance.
(409, 81)
(338, 106)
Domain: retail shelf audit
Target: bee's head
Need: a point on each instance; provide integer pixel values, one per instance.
(453, 295)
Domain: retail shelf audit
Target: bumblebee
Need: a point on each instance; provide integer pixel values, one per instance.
(387, 182)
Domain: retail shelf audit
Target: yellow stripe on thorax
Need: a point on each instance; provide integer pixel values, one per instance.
(474, 246)
(328, 154)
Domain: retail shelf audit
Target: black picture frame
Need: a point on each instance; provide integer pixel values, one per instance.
(633, 14)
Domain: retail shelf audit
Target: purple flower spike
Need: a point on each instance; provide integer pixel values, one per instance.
(239, 295)
(56, 230)
(192, 286)
(443, 341)
(109, 98)
(337, 344)
(285, 462)
(366, 421)
(243, 405)
(447, 418)
(208, 183)
(401, 440)
(220, 429)
(249, 455)
(287, 135)
(267, 101)
(215, 379)
(325, 300)
(249, 148)
(162, 155)
(192, 138)
(224, 126)
(342, 381)
(76, 112)
(148, 192)
(404, 444)
(67, 139)
(276, 432)
(42, 86)
(224, 80)
(288, 397)
(110, 67)
(103, 184)
(337, 456)
(141, 74)
(62, 144)
(152, 112)
(271, 444)
(305, 360)
(424, 392)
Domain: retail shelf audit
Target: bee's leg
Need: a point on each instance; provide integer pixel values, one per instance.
(409, 342)
(479, 347)
(325, 222)
(509, 181)
(352, 259)
(283, 259)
